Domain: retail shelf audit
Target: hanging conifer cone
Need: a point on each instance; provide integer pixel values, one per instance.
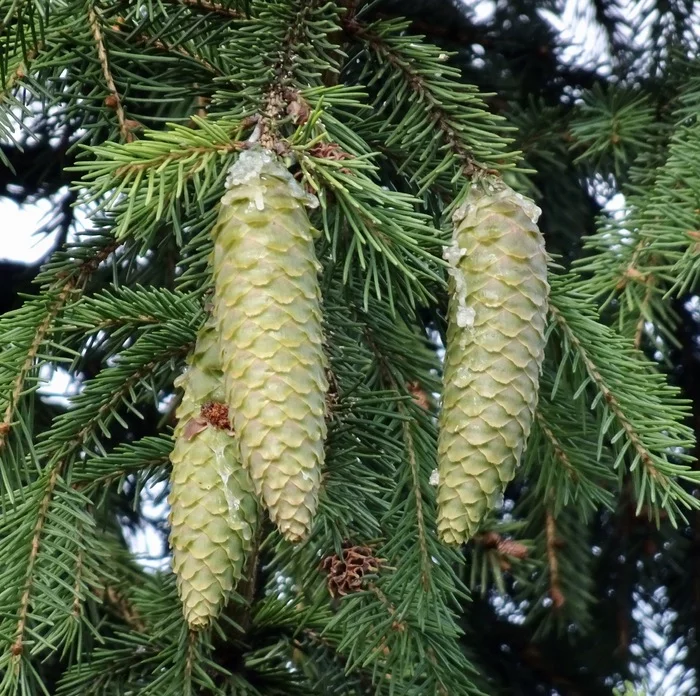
(495, 348)
(213, 508)
(267, 305)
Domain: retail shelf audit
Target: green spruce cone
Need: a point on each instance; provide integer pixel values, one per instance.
(495, 348)
(267, 306)
(213, 507)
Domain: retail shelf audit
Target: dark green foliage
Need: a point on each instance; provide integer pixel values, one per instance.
(385, 111)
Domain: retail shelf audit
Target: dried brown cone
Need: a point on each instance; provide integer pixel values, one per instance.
(347, 571)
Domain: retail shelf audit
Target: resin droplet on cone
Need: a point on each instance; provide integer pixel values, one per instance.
(495, 348)
(213, 507)
(267, 308)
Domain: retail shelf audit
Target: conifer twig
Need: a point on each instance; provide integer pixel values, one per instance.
(57, 470)
(415, 474)
(76, 609)
(639, 329)
(416, 83)
(18, 646)
(556, 446)
(28, 364)
(123, 608)
(20, 71)
(151, 42)
(186, 153)
(420, 519)
(113, 100)
(190, 659)
(279, 95)
(555, 592)
(73, 283)
(609, 397)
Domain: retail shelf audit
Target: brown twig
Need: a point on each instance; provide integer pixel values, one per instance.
(123, 608)
(420, 518)
(279, 96)
(553, 562)
(556, 446)
(631, 272)
(639, 330)
(113, 100)
(77, 604)
(18, 646)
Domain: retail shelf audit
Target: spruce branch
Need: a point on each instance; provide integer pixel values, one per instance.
(160, 149)
(148, 41)
(649, 255)
(555, 582)
(279, 93)
(553, 544)
(141, 183)
(420, 517)
(418, 84)
(385, 136)
(96, 406)
(557, 446)
(66, 286)
(17, 648)
(214, 7)
(439, 124)
(562, 458)
(649, 416)
(409, 422)
(114, 101)
(27, 366)
(130, 308)
(70, 436)
(609, 397)
(147, 458)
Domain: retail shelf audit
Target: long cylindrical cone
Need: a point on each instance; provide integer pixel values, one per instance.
(213, 507)
(495, 348)
(267, 308)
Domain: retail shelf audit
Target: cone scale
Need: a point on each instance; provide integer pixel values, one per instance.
(268, 314)
(213, 508)
(495, 347)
